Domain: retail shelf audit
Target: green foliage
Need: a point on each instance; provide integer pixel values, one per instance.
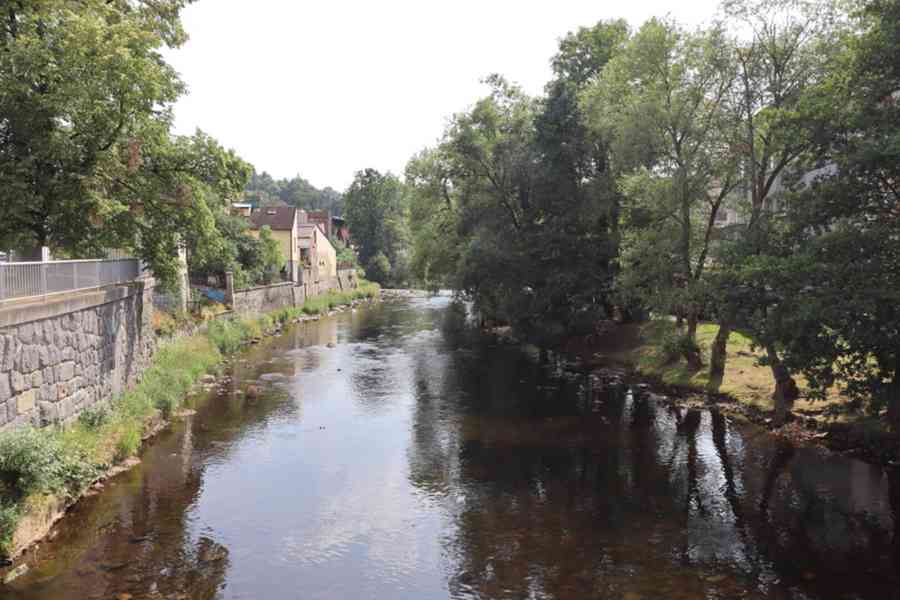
(227, 335)
(33, 461)
(271, 258)
(252, 260)
(87, 160)
(375, 206)
(263, 190)
(129, 443)
(10, 513)
(94, 417)
(676, 344)
(516, 206)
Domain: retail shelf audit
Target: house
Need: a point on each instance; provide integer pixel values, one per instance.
(322, 218)
(317, 256)
(240, 209)
(284, 222)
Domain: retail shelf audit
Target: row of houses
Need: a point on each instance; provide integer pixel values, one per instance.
(305, 239)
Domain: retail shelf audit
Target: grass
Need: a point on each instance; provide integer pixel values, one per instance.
(643, 347)
(63, 461)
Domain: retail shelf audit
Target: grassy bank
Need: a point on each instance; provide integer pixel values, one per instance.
(62, 462)
(645, 347)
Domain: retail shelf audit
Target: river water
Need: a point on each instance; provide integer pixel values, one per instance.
(393, 454)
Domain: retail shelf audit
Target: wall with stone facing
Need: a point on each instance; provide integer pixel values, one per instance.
(267, 298)
(62, 356)
(263, 299)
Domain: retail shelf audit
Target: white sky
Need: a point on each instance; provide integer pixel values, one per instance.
(326, 88)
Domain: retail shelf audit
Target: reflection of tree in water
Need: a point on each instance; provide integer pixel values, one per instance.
(541, 510)
(894, 494)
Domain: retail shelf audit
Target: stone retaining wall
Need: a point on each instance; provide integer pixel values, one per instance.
(264, 299)
(62, 356)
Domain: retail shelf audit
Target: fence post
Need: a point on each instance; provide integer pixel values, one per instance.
(229, 289)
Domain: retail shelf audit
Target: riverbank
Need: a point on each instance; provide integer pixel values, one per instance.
(745, 391)
(45, 472)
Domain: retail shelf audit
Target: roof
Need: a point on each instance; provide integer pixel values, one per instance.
(305, 229)
(278, 218)
(318, 215)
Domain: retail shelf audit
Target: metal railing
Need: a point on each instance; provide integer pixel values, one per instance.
(31, 279)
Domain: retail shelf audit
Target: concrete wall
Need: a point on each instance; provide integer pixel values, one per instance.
(327, 257)
(62, 356)
(347, 279)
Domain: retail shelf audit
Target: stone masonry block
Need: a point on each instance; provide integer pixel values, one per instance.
(19, 384)
(26, 333)
(25, 402)
(65, 371)
(49, 413)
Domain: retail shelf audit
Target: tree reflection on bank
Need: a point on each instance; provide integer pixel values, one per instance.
(556, 497)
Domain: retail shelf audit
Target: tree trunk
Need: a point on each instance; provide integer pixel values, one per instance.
(692, 352)
(692, 322)
(786, 390)
(719, 356)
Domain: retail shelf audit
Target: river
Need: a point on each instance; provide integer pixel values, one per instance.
(394, 454)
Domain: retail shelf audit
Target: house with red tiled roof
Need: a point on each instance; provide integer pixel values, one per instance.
(284, 223)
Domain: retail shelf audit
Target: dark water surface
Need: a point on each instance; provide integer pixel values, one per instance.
(392, 456)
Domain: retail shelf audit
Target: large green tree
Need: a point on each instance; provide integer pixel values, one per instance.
(87, 160)
(662, 104)
(376, 213)
(784, 50)
(842, 325)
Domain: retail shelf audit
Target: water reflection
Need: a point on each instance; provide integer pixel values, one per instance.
(395, 453)
(551, 501)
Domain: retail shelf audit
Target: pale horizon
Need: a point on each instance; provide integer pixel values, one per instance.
(326, 90)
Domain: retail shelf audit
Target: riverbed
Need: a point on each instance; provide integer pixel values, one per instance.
(392, 452)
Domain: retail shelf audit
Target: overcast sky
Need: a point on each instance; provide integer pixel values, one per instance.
(323, 89)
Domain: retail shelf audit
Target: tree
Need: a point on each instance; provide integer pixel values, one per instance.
(844, 322)
(375, 209)
(86, 158)
(253, 261)
(576, 208)
(784, 49)
(661, 102)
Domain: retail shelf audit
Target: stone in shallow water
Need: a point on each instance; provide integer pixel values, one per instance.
(15, 574)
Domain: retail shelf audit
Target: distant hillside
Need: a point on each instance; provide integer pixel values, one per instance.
(264, 190)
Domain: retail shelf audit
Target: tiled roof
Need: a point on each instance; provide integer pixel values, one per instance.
(278, 218)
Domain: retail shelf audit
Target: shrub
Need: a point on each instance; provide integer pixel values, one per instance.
(676, 344)
(94, 417)
(33, 461)
(10, 514)
(164, 324)
(129, 443)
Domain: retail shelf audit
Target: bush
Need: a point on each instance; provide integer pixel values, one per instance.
(229, 335)
(33, 461)
(675, 345)
(94, 417)
(129, 444)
